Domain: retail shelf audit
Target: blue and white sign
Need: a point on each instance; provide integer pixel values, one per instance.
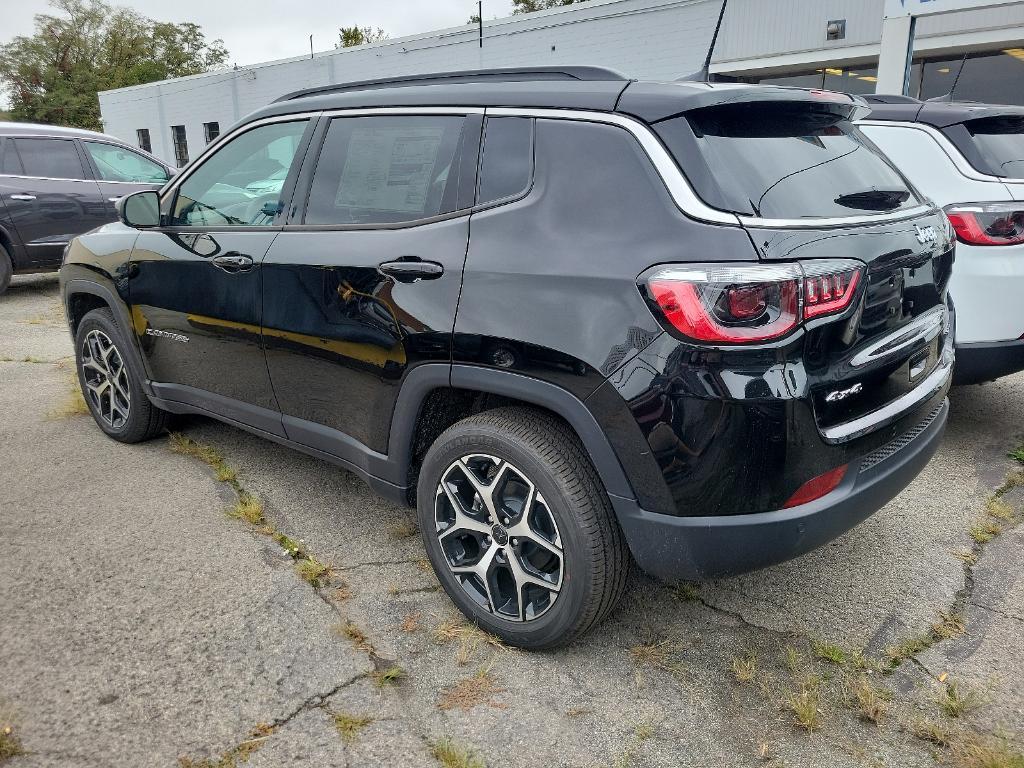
(897, 8)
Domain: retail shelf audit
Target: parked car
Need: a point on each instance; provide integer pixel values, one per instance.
(969, 158)
(569, 317)
(56, 183)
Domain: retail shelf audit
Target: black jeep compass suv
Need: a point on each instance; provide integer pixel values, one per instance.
(568, 316)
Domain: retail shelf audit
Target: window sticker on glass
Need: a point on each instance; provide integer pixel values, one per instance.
(389, 169)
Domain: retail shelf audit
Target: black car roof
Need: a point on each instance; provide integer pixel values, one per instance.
(38, 129)
(582, 88)
(939, 114)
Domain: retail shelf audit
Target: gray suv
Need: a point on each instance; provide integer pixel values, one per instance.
(57, 183)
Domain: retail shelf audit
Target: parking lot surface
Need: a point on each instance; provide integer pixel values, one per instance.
(140, 624)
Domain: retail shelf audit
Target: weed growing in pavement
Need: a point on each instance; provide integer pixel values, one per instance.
(353, 633)
(349, 726)
(312, 571)
(871, 701)
(73, 403)
(686, 592)
(248, 508)
(744, 668)
(452, 755)
(829, 652)
(237, 754)
(949, 625)
(389, 677)
(955, 700)
(405, 528)
(479, 689)
(10, 744)
(806, 708)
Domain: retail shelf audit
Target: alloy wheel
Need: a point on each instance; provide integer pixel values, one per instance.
(106, 379)
(499, 537)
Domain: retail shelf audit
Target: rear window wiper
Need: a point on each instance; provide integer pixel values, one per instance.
(874, 199)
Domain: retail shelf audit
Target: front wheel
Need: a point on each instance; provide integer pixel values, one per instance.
(114, 395)
(519, 529)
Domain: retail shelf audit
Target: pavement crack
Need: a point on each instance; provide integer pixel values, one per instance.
(990, 609)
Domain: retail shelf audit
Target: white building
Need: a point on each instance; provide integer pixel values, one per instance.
(780, 41)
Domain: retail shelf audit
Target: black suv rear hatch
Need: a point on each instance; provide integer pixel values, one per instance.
(807, 184)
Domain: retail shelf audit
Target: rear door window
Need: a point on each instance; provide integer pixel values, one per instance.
(387, 170)
(1000, 141)
(116, 163)
(784, 161)
(50, 158)
(10, 165)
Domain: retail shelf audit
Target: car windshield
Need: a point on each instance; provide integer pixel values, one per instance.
(784, 160)
(1000, 140)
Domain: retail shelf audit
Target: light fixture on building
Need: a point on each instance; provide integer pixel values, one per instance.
(836, 30)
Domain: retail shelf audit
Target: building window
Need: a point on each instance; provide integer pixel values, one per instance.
(144, 142)
(212, 131)
(180, 142)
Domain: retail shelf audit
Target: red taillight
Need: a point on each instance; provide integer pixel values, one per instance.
(817, 487)
(988, 223)
(748, 303)
(829, 293)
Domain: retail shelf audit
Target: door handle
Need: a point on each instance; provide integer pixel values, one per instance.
(411, 270)
(233, 262)
(114, 199)
(23, 197)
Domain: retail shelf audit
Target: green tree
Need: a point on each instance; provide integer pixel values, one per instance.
(529, 6)
(350, 37)
(88, 46)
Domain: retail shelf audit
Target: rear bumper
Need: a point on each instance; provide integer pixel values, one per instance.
(671, 547)
(976, 363)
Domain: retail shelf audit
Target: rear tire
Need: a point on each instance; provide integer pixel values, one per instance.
(541, 559)
(6, 269)
(112, 392)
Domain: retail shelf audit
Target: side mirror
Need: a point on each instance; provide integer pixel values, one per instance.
(140, 210)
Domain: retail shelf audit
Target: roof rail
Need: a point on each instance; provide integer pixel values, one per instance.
(512, 74)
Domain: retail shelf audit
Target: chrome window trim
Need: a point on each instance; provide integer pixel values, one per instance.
(947, 146)
(46, 178)
(838, 221)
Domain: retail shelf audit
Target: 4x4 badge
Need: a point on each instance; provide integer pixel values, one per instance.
(842, 394)
(925, 234)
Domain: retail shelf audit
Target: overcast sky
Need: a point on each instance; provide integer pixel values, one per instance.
(262, 30)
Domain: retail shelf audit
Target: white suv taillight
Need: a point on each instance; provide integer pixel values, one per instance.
(988, 223)
(749, 303)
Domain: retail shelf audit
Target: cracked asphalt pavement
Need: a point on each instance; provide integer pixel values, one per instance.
(142, 626)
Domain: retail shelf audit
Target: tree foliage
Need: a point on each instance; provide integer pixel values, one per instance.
(88, 46)
(350, 37)
(529, 6)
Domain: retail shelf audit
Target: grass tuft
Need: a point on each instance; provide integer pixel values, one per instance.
(353, 633)
(909, 646)
(451, 755)
(186, 446)
(829, 652)
(955, 699)
(657, 654)
(312, 571)
(973, 752)
(410, 623)
(349, 726)
(806, 708)
(73, 403)
(985, 530)
(236, 755)
(928, 730)
(389, 677)
(949, 625)
(686, 592)
(872, 702)
(999, 509)
(405, 528)
(744, 668)
(471, 692)
(248, 508)
(10, 744)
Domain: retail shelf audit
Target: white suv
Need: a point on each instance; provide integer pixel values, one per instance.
(969, 158)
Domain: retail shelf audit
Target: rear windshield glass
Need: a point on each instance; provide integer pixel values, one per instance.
(1000, 140)
(784, 161)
